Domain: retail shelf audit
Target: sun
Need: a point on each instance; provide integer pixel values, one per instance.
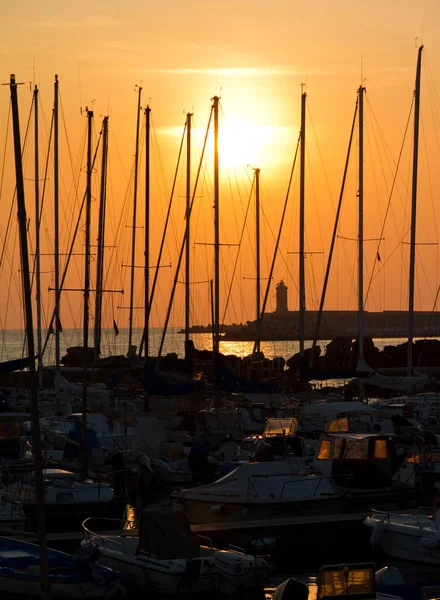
(242, 144)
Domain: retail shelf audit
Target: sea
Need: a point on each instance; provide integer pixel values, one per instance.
(292, 564)
(115, 343)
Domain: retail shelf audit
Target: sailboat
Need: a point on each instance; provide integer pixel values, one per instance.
(363, 373)
(166, 557)
(411, 381)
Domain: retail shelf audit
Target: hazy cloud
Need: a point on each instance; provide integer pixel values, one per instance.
(337, 69)
(86, 21)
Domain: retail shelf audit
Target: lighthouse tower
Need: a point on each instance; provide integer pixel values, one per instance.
(281, 308)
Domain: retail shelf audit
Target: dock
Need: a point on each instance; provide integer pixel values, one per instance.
(279, 533)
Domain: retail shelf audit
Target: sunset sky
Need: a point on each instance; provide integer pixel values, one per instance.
(255, 55)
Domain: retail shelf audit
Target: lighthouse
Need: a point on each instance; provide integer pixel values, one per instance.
(281, 308)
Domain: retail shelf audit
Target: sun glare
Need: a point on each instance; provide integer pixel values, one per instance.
(242, 144)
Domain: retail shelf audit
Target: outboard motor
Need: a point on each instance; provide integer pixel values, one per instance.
(389, 581)
(85, 557)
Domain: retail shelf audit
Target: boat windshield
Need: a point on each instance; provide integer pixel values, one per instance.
(280, 427)
(349, 581)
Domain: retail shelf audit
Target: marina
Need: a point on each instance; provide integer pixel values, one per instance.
(286, 448)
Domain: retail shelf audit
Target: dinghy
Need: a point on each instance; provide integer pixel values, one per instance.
(66, 498)
(414, 537)
(70, 576)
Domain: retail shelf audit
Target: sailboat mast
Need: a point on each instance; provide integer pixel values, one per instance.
(147, 228)
(187, 229)
(361, 228)
(86, 293)
(37, 243)
(56, 228)
(302, 287)
(258, 257)
(133, 235)
(36, 440)
(216, 233)
(101, 242)
(412, 255)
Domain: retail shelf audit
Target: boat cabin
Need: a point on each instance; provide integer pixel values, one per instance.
(280, 426)
(358, 417)
(259, 448)
(354, 581)
(279, 441)
(368, 459)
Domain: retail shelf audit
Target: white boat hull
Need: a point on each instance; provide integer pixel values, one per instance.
(157, 577)
(414, 540)
(220, 510)
(16, 587)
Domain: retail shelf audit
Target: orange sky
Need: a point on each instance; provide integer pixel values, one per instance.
(255, 55)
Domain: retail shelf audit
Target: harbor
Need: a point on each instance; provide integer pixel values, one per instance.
(219, 324)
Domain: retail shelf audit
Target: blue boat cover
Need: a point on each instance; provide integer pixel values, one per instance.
(75, 434)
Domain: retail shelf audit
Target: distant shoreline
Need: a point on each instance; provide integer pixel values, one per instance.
(285, 327)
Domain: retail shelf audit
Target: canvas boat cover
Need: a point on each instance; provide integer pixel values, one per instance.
(165, 532)
(392, 382)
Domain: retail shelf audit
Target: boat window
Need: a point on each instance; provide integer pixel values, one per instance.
(380, 449)
(346, 581)
(356, 450)
(338, 425)
(324, 450)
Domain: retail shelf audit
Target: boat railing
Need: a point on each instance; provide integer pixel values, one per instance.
(5, 498)
(252, 491)
(318, 481)
(411, 518)
(207, 540)
(121, 530)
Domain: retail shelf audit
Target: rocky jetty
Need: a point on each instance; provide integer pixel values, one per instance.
(341, 355)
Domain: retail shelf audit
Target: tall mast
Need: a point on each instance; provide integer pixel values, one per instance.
(187, 229)
(361, 228)
(36, 440)
(216, 234)
(258, 259)
(412, 255)
(101, 242)
(56, 230)
(133, 235)
(302, 288)
(37, 243)
(86, 293)
(147, 227)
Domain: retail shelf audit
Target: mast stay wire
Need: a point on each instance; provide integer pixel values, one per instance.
(375, 272)
(260, 321)
(66, 266)
(333, 241)
(4, 251)
(165, 229)
(182, 248)
(238, 254)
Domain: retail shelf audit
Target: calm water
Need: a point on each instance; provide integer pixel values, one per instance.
(12, 344)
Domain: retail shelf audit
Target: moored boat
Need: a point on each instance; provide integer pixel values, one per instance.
(70, 576)
(261, 491)
(414, 537)
(166, 557)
